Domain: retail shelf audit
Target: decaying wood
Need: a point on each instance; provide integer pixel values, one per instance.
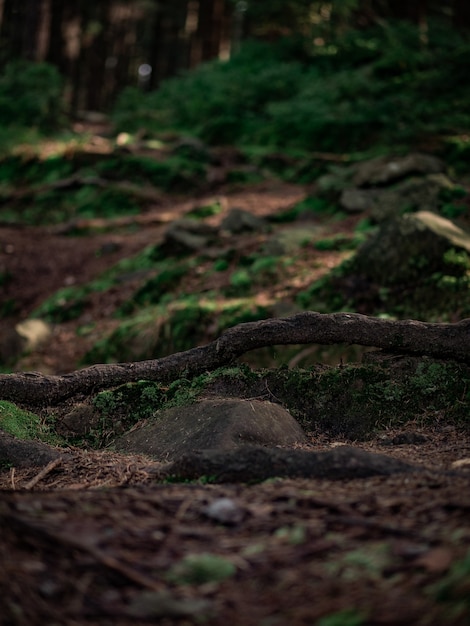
(446, 341)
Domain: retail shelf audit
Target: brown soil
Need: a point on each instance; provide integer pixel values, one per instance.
(95, 539)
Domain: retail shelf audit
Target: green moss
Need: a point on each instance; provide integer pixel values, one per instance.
(25, 425)
(206, 210)
(120, 408)
(356, 400)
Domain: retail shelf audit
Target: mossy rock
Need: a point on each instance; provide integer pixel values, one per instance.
(415, 266)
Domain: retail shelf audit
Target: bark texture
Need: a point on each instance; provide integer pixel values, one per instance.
(445, 341)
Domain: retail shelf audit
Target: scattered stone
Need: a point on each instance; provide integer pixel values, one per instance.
(216, 423)
(290, 239)
(358, 200)
(240, 221)
(24, 337)
(79, 421)
(187, 235)
(12, 345)
(413, 194)
(224, 510)
(384, 170)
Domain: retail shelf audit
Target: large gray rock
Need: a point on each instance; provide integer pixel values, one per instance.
(212, 424)
(408, 248)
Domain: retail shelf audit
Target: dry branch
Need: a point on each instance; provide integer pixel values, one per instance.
(445, 341)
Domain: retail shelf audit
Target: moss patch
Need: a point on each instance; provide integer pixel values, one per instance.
(24, 424)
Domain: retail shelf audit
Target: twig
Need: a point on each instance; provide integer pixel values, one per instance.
(43, 473)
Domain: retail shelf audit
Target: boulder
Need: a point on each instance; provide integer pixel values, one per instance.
(408, 248)
(217, 423)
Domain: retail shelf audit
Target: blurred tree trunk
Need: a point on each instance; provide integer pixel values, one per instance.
(23, 29)
(96, 53)
(211, 15)
(56, 53)
(168, 52)
(461, 14)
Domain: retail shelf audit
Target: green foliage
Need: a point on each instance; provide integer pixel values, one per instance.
(197, 569)
(119, 409)
(173, 173)
(453, 589)
(309, 206)
(338, 242)
(206, 210)
(166, 281)
(355, 400)
(23, 424)
(65, 305)
(173, 326)
(360, 88)
(31, 95)
(257, 271)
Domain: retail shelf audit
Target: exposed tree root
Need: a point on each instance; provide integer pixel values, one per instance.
(445, 341)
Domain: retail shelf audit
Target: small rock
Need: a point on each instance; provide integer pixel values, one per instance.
(34, 332)
(187, 235)
(225, 511)
(239, 221)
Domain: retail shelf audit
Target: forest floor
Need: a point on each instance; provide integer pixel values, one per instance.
(95, 539)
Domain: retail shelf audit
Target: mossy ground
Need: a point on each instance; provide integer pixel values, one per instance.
(353, 402)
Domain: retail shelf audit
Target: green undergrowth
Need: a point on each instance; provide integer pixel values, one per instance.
(381, 85)
(432, 292)
(354, 401)
(25, 424)
(78, 185)
(70, 302)
(173, 326)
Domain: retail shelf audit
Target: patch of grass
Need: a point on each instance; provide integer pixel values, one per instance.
(24, 424)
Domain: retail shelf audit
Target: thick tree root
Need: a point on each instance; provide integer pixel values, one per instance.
(445, 341)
